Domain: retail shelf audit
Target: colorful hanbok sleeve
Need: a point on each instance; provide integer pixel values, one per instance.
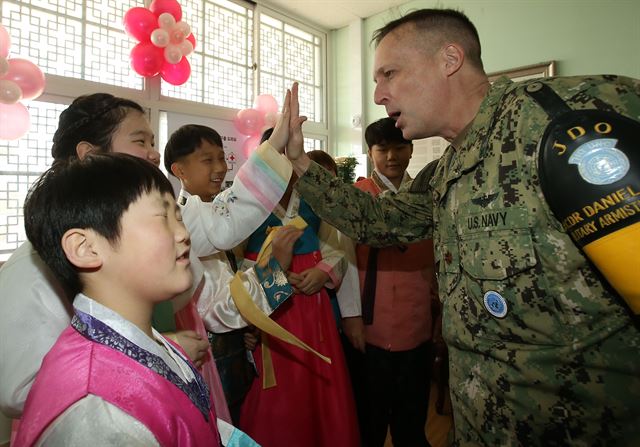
(333, 260)
(236, 212)
(268, 287)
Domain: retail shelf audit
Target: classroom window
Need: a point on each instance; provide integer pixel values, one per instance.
(242, 49)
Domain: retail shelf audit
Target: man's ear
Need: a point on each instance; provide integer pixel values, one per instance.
(80, 247)
(83, 148)
(177, 170)
(454, 58)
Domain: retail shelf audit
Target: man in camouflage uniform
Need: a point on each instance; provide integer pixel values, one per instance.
(542, 350)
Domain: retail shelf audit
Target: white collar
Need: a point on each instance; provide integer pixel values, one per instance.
(134, 334)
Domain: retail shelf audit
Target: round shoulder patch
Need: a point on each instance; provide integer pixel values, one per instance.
(495, 304)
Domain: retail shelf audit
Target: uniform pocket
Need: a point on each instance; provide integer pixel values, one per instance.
(497, 256)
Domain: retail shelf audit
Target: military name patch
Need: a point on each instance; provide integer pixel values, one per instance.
(495, 304)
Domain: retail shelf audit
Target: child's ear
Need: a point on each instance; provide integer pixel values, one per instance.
(80, 247)
(176, 169)
(83, 148)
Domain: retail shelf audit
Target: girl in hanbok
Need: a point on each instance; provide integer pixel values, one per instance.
(311, 403)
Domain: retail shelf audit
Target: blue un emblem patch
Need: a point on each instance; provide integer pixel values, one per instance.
(495, 304)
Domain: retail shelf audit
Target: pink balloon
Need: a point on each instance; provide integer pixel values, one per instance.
(250, 145)
(270, 120)
(28, 76)
(139, 23)
(191, 38)
(10, 92)
(14, 121)
(5, 41)
(249, 121)
(266, 104)
(171, 6)
(146, 59)
(176, 74)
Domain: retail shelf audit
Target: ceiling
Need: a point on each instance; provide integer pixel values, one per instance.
(332, 14)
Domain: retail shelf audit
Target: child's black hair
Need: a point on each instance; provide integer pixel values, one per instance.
(186, 140)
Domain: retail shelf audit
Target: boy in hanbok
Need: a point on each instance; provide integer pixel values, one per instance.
(310, 403)
(110, 230)
(194, 154)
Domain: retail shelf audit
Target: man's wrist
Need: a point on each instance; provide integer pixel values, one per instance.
(301, 164)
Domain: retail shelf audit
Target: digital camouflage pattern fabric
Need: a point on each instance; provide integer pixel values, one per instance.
(542, 351)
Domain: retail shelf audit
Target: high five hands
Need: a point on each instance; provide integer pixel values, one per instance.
(288, 131)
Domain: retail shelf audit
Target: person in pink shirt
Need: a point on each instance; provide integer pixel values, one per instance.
(397, 286)
(109, 228)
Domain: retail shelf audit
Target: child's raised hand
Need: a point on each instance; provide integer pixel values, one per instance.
(280, 135)
(288, 130)
(295, 146)
(313, 280)
(282, 245)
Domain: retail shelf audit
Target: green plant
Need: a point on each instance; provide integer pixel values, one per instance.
(347, 168)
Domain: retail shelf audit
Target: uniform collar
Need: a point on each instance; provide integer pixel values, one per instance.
(469, 147)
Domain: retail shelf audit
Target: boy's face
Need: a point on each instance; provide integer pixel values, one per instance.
(391, 160)
(151, 258)
(202, 172)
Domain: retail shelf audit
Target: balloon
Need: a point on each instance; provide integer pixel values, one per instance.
(249, 121)
(139, 23)
(172, 54)
(10, 92)
(266, 104)
(4, 66)
(270, 120)
(5, 41)
(176, 36)
(186, 47)
(250, 145)
(166, 21)
(176, 74)
(27, 75)
(160, 37)
(146, 59)
(14, 121)
(191, 38)
(171, 6)
(184, 28)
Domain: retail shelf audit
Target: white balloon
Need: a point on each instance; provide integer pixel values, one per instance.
(10, 92)
(160, 37)
(166, 20)
(184, 27)
(186, 47)
(172, 54)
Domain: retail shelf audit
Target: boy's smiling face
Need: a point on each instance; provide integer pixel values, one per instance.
(202, 172)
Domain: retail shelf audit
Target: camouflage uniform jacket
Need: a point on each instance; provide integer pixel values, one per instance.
(562, 367)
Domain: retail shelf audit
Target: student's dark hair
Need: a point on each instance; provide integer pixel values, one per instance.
(323, 159)
(92, 193)
(383, 132)
(266, 135)
(91, 118)
(186, 140)
(450, 25)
